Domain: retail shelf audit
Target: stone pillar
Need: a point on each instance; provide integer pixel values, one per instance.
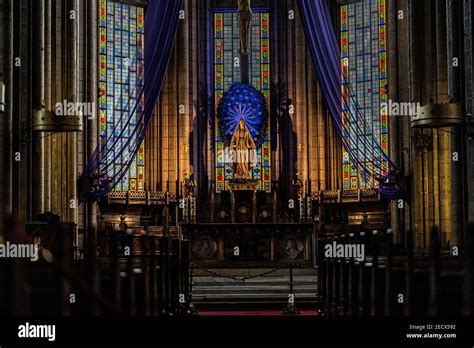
(38, 99)
(276, 82)
(164, 132)
(312, 131)
(444, 177)
(289, 164)
(301, 105)
(416, 169)
(48, 102)
(322, 154)
(91, 139)
(171, 128)
(56, 96)
(469, 107)
(456, 134)
(72, 96)
(395, 140)
(185, 106)
(19, 100)
(406, 93)
(92, 77)
(6, 120)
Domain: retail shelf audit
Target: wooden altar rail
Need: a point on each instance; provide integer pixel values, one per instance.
(152, 283)
(389, 284)
(140, 197)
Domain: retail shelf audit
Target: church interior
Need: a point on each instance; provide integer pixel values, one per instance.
(220, 157)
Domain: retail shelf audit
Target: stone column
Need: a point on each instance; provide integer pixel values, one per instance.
(395, 140)
(19, 100)
(313, 120)
(71, 95)
(456, 134)
(92, 136)
(322, 154)
(174, 108)
(56, 96)
(91, 84)
(301, 98)
(468, 159)
(6, 120)
(469, 107)
(48, 102)
(276, 84)
(445, 160)
(415, 169)
(38, 91)
(185, 113)
(289, 163)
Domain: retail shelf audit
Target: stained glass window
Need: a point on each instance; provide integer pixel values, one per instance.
(364, 71)
(227, 71)
(121, 50)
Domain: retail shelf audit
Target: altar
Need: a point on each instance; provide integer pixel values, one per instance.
(256, 244)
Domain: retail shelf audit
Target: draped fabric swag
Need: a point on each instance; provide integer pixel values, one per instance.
(324, 50)
(161, 25)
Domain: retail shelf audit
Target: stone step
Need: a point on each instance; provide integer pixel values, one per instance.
(224, 286)
(256, 289)
(259, 280)
(234, 296)
(255, 271)
(254, 297)
(263, 289)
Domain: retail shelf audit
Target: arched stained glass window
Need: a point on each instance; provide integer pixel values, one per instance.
(226, 43)
(121, 52)
(364, 70)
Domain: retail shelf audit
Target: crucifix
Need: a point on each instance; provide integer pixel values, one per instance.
(244, 16)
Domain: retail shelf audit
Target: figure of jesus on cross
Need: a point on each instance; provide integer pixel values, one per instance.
(244, 16)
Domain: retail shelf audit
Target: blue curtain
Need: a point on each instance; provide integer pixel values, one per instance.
(324, 50)
(161, 25)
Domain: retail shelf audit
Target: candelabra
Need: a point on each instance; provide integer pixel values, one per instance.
(298, 183)
(189, 201)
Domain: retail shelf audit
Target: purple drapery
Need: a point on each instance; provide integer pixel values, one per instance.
(161, 25)
(324, 50)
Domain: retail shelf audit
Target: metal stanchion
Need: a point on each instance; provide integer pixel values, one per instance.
(388, 275)
(345, 281)
(322, 276)
(355, 282)
(145, 273)
(130, 276)
(291, 306)
(152, 274)
(114, 265)
(410, 266)
(435, 272)
(191, 308)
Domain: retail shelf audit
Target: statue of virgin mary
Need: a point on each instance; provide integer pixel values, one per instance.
(243, 150)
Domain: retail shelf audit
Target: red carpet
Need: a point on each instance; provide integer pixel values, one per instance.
(269, 313)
